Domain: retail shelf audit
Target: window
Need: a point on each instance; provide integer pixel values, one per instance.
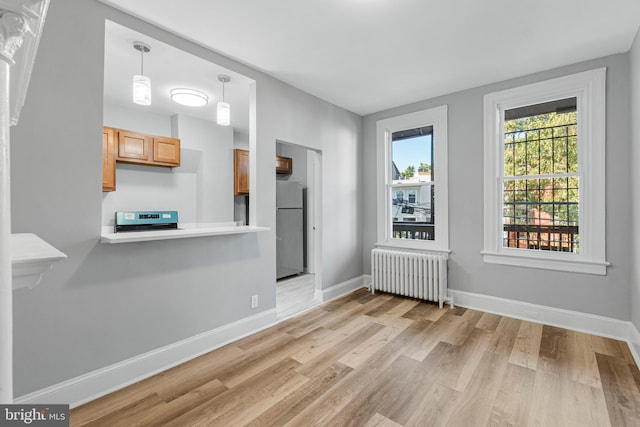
(540, 181)
(412, 180)
(544, 174)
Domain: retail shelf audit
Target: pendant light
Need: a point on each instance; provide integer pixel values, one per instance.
(224, 109)
(141, 83)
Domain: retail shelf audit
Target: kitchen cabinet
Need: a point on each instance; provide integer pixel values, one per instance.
(108, 160)
(284, 165)
(152, 150)
(166, 150)
(119, 145)
(240, 172)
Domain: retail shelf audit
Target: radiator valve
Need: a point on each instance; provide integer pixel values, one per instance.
(450, 302)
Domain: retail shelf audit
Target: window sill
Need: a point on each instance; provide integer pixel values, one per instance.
(526, 260)
(412, 244)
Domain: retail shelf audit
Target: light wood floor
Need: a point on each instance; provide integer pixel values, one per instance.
(295, 294)
(382, 360)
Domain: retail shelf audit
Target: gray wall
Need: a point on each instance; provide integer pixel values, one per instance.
(106, 303)
(601, 295)
(208, 154)
(635, 179)
(199, 189)
(299, 158)
(240, 203)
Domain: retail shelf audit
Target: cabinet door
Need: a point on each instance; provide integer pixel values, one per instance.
(240, 172)
(166, 150)
(284, 165)
(108, 160)
(133, 146)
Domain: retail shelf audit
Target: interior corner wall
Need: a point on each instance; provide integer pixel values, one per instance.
(208, 151)
(634, 56)
(336, 134)
(599, 295)
(298, 157)
(108, 303)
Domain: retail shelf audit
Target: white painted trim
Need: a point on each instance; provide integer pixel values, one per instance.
(185, 231)
(400, 245)
(436, 117)
(523, 259)
(633, 340)
(31, 258)
(589, 89)
(568, 319)
(100, 382)
(341, 289)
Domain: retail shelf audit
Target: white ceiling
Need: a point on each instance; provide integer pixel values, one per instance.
(370, 55)
(169, 68)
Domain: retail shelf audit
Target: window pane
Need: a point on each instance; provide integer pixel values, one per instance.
(541, 213)
(412, 155)
(412, 163)
(412, 215)
(543, 143)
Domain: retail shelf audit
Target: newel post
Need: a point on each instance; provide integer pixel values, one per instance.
(20, 29)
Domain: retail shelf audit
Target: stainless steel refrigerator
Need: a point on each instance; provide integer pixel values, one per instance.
(289, 228)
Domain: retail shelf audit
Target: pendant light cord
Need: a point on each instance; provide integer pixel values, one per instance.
(142, 62)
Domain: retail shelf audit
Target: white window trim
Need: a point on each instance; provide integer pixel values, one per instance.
(589, 89)
(436, 117)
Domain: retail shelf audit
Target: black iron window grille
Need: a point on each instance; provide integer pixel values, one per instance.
(541, 206)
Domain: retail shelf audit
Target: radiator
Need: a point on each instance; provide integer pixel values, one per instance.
(412, 274)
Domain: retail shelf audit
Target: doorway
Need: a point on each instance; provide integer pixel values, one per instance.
(298, 242)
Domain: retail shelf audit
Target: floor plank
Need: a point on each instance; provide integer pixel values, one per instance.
(513, 402)
(381, 421)
(527, 346)
(620, 391)
(238, 401)
(295, 402)
(489, 322)
(384, 360)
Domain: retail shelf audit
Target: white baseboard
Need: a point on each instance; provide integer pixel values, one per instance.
(93, 385)
(568, 319)
(574, 320)
(634, 342)
(336, 291)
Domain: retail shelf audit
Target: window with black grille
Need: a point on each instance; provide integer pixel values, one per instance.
(540, 179)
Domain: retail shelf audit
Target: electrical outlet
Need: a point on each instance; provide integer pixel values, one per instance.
(254, 301)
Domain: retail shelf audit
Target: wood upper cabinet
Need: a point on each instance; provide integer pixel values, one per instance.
(166, 150)
(108, 160)
(284, 165)
(119, 145)
(134, 147)
(240, 172)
